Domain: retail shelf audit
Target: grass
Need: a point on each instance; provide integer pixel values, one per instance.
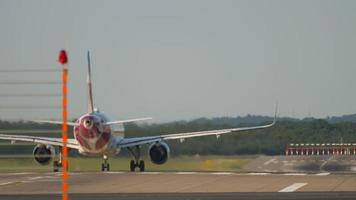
(180, 163)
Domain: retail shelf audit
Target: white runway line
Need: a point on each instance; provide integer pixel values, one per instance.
(54, 175)
(40, 177)
(40, 180)
(270, 161)
(293, 187)
(258, 174)
(222, 173)
(113, 172)
(6, 183)
(323, 174)
(185, 173)
(325, 162)
(19, 173)
(151, 173)
(295, 174)
(270, 171)
(36, 177)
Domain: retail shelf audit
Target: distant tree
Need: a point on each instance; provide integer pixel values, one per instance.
(271, 141)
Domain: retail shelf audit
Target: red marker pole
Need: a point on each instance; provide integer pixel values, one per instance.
(63, 60)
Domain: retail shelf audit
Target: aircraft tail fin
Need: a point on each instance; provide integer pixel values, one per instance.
(90, 93)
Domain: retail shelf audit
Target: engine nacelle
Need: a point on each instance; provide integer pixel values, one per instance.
(44, 154)
(159, 153)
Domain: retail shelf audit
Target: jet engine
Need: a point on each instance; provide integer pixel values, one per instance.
(44, 154)
(159, 153)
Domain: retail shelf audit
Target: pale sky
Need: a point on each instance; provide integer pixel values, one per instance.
(179, 60)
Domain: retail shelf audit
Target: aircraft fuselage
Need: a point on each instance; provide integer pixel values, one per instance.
(93, 136)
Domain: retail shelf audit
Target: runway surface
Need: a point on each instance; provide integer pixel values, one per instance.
(180, 185)
(192, 196)
(312, 164)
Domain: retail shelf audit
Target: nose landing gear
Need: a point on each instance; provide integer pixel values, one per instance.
(137, 163)
(105, 166)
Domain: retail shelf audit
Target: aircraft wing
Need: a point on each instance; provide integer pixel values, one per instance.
(72, 143)
(129, 142)
(55, 122)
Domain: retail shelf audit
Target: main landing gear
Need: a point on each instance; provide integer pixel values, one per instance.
(105, 166)
(57, 164)
(137, 163)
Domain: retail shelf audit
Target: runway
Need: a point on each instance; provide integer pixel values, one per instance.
(193, 196)
(178, 185)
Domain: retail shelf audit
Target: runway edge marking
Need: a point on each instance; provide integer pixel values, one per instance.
(258, 173)
(269, 161)
(295, 174)
(293, 187)
(222, 173)
(323, 174)
(6, 183)
(186, 173)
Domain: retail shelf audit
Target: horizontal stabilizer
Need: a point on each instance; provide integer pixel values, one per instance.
(127, 121)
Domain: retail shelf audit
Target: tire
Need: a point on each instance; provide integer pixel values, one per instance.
(142, 166)
(55, 166)
(132, 165)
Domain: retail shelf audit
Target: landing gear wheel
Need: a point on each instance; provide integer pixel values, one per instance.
(132, 165)
(56, 166)
(142, 166)
(135, 151)
(105, 166)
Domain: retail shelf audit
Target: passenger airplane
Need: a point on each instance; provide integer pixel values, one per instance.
(93, 136)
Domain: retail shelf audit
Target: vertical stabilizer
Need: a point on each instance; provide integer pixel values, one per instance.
(90, 93)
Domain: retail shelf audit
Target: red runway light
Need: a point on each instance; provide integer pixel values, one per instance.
(63, 58)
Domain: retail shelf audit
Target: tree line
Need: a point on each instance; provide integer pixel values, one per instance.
(270, 141)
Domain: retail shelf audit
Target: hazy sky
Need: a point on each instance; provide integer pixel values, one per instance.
(184, 59)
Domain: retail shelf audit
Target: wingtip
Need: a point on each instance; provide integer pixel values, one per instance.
(275, 114)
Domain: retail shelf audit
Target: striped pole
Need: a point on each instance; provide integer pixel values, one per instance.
(63, 59)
